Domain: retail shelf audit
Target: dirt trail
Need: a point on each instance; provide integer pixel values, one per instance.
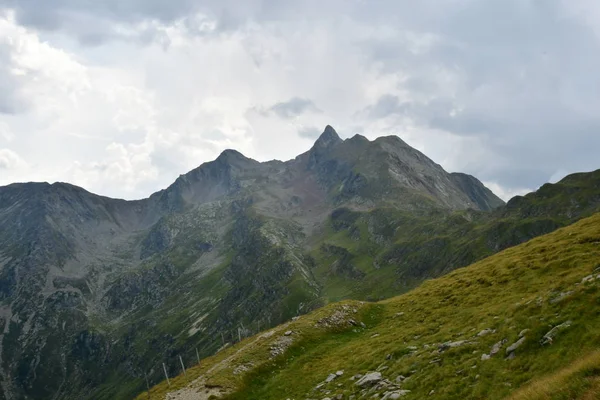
(197, 390)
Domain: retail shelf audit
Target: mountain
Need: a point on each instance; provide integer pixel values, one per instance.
(518, 325)
(97, 293)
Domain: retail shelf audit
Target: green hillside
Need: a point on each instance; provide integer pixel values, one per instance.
(380, 253)
(521, 323)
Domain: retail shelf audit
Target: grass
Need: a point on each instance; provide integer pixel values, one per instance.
(534, 286)
(580, 380)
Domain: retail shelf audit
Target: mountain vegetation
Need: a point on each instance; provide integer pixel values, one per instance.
(97, 293)
(522, 324)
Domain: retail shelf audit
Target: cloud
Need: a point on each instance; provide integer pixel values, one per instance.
(11, 99)
(385, 106)
(293, 108)
(141, 91)
(9, 160)
(310, 132)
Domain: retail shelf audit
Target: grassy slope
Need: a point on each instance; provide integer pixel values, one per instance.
(358, 255)
(514, 290)
(397, 250)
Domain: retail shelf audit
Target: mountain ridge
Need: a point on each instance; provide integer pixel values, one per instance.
(105, 287)
(231, 158)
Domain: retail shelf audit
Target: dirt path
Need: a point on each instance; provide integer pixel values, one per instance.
(197, 390)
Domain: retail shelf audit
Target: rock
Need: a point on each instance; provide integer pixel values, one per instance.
(561, 297)
(496, 348)
(511, 356)
(288, 333)
(485, 332)
(330, 378)
(432, 392)
(485, 357)
(448, 345)
(339, 373)
(523, 332)
(369, 379)
(395, 394)
(516, 345)
(590, 278)
(400, 379)
(548, 338)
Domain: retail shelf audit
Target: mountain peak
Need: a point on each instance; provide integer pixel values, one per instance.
(229, 154)
(328, 137)
(234, 158)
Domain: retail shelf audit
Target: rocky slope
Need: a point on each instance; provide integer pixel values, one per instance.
(96, 293)
(521, 324)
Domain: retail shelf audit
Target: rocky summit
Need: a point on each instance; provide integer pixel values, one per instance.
(100, 297)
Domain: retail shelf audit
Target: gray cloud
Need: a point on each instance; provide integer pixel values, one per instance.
(310, 132)
(387, 105)
(96, 22)
(293, 107)
(11, 101)
(518, 76)
(514, 82)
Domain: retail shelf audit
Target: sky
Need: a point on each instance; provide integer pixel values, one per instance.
(122, 96)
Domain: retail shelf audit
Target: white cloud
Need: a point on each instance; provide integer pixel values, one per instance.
(507, 194)
(9, 160)
(122, 97)
(5, 132)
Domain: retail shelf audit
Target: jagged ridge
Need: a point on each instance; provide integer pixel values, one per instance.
(106, 288)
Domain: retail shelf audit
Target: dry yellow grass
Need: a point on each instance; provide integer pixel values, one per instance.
(579, 380)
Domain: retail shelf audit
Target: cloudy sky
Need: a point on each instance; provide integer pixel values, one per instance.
(122, 96)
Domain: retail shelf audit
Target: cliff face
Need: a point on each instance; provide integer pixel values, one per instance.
(96, 292)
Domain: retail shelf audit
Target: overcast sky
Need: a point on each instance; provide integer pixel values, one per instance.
(122, 96)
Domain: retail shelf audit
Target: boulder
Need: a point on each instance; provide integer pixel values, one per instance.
(496, 347)
(523, 332)
(515, 345)
(548, 338)
(369, 379)
(485, 332)
(449, 345)
(395, 394)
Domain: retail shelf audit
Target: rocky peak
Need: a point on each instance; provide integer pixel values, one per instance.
(328, 138)
(233, 157)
